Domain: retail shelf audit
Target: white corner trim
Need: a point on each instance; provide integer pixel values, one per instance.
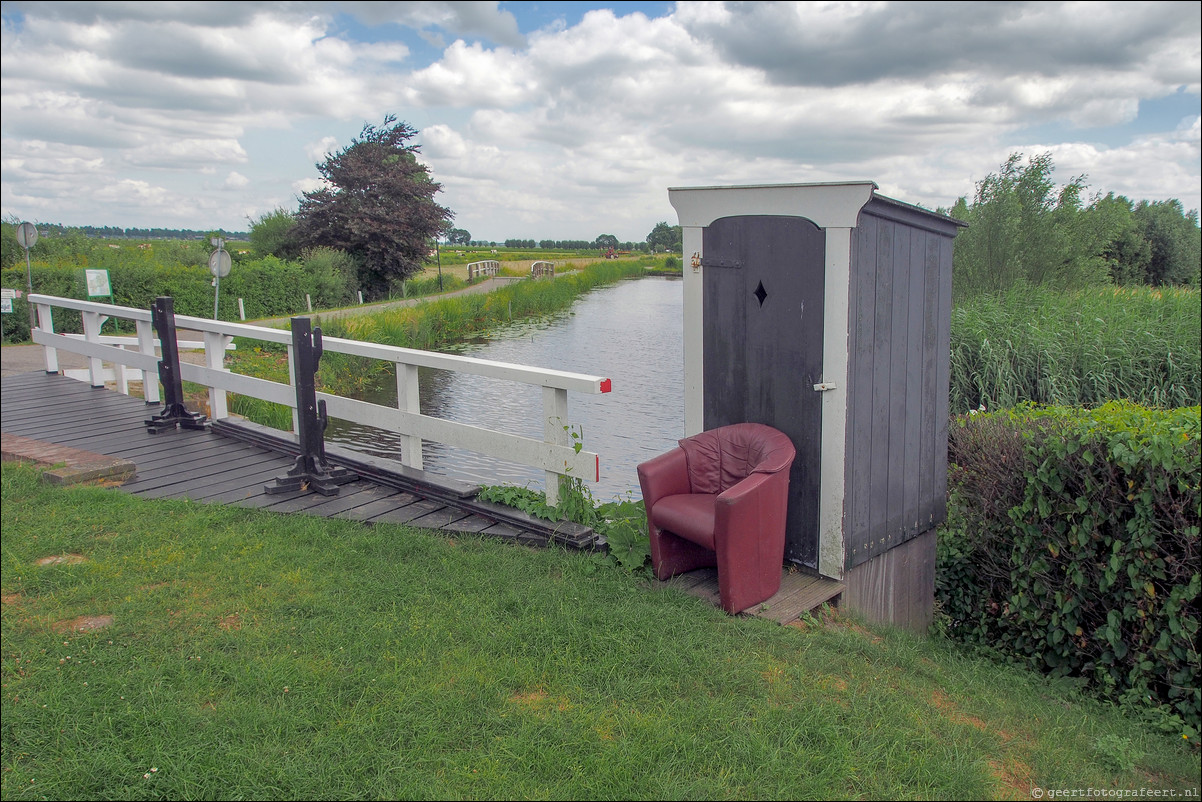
(835, 366)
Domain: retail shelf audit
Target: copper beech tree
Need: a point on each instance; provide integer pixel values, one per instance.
(377, 205)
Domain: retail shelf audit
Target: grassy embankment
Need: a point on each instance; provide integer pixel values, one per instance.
(244, 654)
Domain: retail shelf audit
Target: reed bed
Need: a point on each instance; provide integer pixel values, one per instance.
(1078, 349)
(436, 323)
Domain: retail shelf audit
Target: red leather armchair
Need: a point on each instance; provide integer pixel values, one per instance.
(720, 500)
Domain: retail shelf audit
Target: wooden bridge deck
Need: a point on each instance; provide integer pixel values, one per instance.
(207, 467)
(45, 416)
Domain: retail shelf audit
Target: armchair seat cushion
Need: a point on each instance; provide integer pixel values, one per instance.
(690, 516)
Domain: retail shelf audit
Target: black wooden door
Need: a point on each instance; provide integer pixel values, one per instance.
(763, 285)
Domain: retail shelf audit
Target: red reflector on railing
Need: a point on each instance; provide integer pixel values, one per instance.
(606, 386)
(599, 463)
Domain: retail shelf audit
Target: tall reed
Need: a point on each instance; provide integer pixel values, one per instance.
(1080, 348)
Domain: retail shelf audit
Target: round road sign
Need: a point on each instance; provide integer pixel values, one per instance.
(27, 235)
(219, 263)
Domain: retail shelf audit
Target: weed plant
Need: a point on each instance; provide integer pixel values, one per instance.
(170, 650)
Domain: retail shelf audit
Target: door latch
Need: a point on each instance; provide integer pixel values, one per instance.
(824, 386)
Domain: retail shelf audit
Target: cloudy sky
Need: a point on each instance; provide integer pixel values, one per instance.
(568, 120)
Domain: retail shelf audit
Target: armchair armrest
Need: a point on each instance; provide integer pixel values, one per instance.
(749, 509)
(664, 475)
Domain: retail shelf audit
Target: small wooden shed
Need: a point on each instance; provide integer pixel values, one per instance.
(824, 310)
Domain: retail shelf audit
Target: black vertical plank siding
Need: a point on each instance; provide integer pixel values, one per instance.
(929, 453)
(857, 475)
(878, 466)
(898, 368)
(914, 456)
(896, 476)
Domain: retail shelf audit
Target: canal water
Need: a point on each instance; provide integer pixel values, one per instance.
(630, 332)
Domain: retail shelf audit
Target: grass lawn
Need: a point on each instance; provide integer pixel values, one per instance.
(179, 651)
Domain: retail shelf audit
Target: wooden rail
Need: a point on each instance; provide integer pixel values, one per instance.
(554, 454)
(487, 267)
(540, 269)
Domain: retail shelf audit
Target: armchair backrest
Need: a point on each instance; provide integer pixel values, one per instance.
(720, 458)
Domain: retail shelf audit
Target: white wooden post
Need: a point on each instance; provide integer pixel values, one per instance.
(241, 310)
(215, 344)
(46, 324)
(91, 333)
(292, 384)
(308, 302)
(150, 381)
(121, 375)
(555, 419)
(408, 400)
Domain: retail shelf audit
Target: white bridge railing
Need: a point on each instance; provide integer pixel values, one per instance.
(487, 267)
(554, 454)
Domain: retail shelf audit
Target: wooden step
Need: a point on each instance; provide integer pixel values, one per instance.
(799, 593)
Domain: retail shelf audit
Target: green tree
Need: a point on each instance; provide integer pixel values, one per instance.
(664, 238)
(378, 206)
(459, 236)
(1022, 229)
(274, 234)
(606, 241)
(1174, 241)
(1123, 246)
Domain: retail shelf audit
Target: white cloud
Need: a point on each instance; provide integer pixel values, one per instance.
(317, 151)
(566, 131)
(235, 180)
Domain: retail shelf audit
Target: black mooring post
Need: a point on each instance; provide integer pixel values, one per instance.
(162, 313)
(311, 470)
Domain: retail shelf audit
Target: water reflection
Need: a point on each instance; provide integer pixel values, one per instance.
(630, 332)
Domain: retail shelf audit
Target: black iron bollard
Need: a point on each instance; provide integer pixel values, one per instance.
(311, 469)
(174, 413)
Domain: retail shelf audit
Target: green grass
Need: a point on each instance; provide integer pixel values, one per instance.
(1078, 348)
(259, 656)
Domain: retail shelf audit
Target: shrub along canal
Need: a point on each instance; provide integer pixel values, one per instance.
(630, 332)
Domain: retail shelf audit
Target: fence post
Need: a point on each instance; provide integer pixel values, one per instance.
(174, 412)
(91, 333)
(215, 344)
(241, 310)
(46, 324)
(150, 382)
(555, 416)
(311, 470)
(408, 400)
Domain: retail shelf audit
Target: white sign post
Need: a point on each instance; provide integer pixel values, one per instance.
(6, 306)
(219, 266)
(27, 237)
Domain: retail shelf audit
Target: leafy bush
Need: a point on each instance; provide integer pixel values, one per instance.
(269, 287)
(1073, 545)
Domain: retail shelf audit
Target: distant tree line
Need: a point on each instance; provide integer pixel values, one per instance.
(116, 232)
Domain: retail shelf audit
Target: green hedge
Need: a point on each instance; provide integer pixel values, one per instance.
(1072, 547)
(269, 287)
